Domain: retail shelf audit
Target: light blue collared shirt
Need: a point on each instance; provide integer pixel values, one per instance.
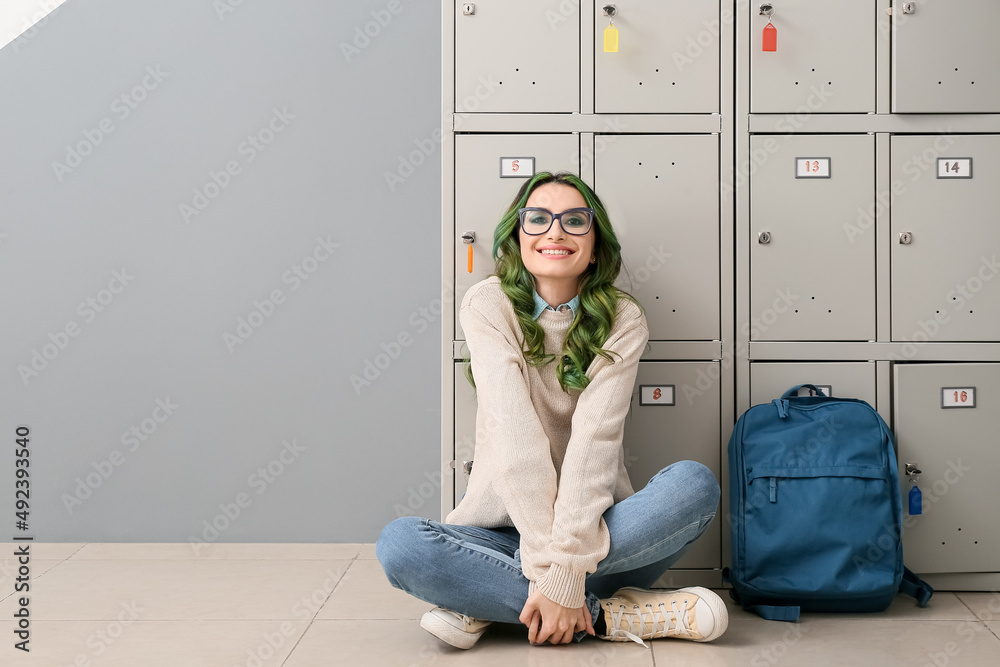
(541, 304)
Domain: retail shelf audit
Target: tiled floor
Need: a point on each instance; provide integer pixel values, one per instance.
(305, 605)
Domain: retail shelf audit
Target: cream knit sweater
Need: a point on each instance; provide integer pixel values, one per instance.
(547, 462)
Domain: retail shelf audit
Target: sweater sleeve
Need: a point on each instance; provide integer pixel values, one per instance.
(509, 432)
(580, 537)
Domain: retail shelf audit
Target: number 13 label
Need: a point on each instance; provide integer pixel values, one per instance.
(812, 167)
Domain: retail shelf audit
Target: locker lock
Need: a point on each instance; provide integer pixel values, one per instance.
(467, 467)
(764, 237)
(468, 8)
(609, 10)
(469, 237)
(906, 238)
(766, 9)
(912, 469)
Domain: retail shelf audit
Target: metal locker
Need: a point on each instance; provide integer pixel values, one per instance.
(465, 432)
(516, 56)
(675, 417)
(769, 380)
(667, 59)
(483, 191)
(945, 56)
(824, 60)
(946, 421)
(811, 278)
(945, 239)
(662, 195)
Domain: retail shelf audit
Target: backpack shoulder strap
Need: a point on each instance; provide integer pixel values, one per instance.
(915, 587)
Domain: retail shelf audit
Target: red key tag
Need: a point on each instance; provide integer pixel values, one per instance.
(770, 38)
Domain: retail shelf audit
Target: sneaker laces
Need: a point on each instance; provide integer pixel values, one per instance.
(680, 626)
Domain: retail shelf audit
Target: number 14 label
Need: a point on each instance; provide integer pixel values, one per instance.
(954, 167)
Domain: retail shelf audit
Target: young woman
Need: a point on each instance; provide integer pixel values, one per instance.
(550, 532)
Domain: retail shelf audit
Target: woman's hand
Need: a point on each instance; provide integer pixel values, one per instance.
(547, 620)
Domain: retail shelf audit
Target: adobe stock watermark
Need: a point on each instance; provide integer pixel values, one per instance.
(259, 481)
(407, 164)
(31, 24)
(133, 438)
(88, 309)
(100, 640)
(707, 38)
(295, 276)
(778, 649)
(365, 34)
(968, 631)
(888, 539)
(121, 107)
(249, 149)
(420, 320)
(223, 8)
(915, 167)
(304, 609)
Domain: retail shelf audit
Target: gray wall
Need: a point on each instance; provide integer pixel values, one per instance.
(94, 185)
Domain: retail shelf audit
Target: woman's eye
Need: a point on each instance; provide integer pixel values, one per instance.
(538, 220)
(576, 222)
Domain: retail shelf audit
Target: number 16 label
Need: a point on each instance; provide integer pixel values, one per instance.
(958, 397)
(812, 167)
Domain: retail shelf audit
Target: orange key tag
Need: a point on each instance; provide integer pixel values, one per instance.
(769, 39)
(470, 258)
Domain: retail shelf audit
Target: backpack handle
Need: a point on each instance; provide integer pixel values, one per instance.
(791, 393)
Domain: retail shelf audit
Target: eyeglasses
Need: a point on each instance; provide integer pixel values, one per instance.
(576, 221)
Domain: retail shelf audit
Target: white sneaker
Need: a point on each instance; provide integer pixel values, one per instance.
(634, 614)
(459, 630)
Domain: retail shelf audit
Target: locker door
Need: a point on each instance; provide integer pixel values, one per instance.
(955, 448)
(843, 379)
(465, 431)
(662, 195)
(811, 278)
(517, 56)
(482, 194)
(824, 61)
(943, 278)
(657, 435)
(945, 56)
(667, 59)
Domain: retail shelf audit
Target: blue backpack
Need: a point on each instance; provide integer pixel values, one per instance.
(815, 509)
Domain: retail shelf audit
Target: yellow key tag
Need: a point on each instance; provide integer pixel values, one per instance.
(611, 39)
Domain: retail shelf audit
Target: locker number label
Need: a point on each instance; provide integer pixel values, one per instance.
(812, 167)
(517, 167)
(656, 394)
(954, 167)
(958, 397)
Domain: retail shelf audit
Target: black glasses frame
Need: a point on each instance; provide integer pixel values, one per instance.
(521, 215)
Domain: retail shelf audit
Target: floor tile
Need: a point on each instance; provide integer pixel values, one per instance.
(378, 643)
(155, 643)
(831, 642)
(365, 593)
(9, 572)
(986, 606)
(367, 551)
(222, 551)
(182, 590)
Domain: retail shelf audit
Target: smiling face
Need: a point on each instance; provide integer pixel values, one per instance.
(557, 272)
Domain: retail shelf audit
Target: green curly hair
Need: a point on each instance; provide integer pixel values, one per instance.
(594, 319)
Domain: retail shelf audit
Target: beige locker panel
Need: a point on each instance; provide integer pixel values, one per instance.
(465, 431)
(662, 195)
(517, 56)
(824, 60)
(945, 55)
(482, 194)
(956, 450)
(667, 59)
(657, 435)
(945, 238)
(769, 380)
(811, 276)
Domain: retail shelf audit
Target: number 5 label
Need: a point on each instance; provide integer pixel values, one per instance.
(958, 397)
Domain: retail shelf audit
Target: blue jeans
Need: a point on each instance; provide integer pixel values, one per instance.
(477, 571)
